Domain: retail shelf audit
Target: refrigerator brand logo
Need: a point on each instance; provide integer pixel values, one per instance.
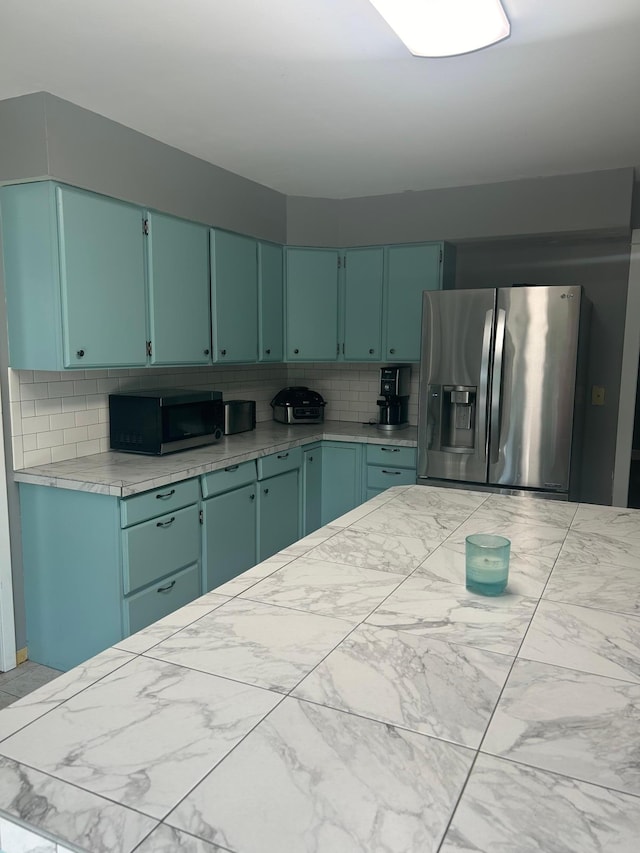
(567, 295)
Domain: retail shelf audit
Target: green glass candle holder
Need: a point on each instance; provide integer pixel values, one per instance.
(487, 563)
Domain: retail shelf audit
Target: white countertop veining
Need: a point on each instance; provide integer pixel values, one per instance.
(123, 474)
(349, 694)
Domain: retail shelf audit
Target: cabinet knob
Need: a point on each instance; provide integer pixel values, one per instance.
(252, 497)
(296, 351)
(206, 352)
(268, 351)
(392, 350)
(80, 353)
(223, 352)
(266, 491)
(371, 351)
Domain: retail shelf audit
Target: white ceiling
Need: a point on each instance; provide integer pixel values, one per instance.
(319, 98)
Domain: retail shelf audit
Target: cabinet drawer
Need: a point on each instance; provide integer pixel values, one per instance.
(388, 454)
(278, 463)
(158, 547)
(228, 478)
(386, 476)
(159, 501)
(148, 606)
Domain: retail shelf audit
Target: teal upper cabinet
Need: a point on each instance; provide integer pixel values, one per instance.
(178, 275)
(311, 304)
(74, 269)
(270, 303)
(363, 280)
(411, 269)
(234, 297)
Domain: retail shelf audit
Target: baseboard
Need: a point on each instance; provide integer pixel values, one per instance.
(22, 655)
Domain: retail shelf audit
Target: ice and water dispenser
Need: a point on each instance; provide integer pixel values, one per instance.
(458, 413)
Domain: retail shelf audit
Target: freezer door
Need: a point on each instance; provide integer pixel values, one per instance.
(457, 330)
(533, 386)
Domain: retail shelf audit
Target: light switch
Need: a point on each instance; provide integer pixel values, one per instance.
(597, 395)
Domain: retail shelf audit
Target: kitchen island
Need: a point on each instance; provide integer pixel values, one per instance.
(349, 694)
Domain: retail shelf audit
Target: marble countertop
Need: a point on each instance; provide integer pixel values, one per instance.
(123, 474)
(349, 694)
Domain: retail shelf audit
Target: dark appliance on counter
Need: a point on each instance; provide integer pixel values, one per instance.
(394, 391)
(239, 416)
(298, 405)
(163, 420)
(502, 389)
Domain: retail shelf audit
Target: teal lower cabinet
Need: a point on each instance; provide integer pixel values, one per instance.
(278, 501)
(388, 465)
(341, 478)
(229, 535)
(311, 488)
(97, 568)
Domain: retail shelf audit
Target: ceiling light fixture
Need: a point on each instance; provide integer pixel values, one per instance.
(445, 27)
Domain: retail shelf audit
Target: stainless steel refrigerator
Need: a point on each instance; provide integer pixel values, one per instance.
(501, 388)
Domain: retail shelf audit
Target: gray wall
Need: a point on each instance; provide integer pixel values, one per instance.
(46, 136)
(565, 204)
(601, 266)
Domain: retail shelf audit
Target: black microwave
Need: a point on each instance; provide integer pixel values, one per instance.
(160, 421)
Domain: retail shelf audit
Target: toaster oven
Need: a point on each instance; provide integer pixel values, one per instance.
(298, 405)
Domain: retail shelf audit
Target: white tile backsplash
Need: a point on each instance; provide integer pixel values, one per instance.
(60, 416)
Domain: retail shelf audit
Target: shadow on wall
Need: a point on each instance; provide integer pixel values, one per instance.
(601, 266)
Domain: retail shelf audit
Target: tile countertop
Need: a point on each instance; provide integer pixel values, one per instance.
(123, 474)
(349, 694)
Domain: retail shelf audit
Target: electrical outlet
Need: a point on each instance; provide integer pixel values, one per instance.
(597, 395)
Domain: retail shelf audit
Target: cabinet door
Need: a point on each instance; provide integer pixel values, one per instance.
(312, 489)
(229, 531)
(411, 270)
(102, 280)
(312, 305)
(341, 479)
(363, 279)
(270, 303)
(278, 511)
(178, 275)
(234, 297)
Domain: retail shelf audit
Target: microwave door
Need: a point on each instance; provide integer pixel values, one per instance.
(456, 361)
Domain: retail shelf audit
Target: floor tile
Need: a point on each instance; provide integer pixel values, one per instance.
(598, 549)
(526, 537)
(569, 722)
(167, 839)
(602, 586)
(608, 521)
(144, 640)
(528, 573)
(56, 691)
(585, 639)
(508, 807)
(385, 553)
(66, 812)
(405, 680)
(144, 735)
(448, 612)
(328, 781)
(271, 647)
(6, 699)
(26, 682)
(330, 589)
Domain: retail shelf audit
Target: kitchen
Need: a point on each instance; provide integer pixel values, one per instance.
(595, 202)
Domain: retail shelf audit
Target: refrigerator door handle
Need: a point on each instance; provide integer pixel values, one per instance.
(496, 385)
(483, 437)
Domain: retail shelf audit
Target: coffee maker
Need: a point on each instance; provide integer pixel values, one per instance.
(394, 392)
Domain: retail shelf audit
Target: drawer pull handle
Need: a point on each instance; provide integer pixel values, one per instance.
(390, 449)
(167, 587)
(396, 473)
(232, 468)
(283, 455)
(164, 495)
(166, 523)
